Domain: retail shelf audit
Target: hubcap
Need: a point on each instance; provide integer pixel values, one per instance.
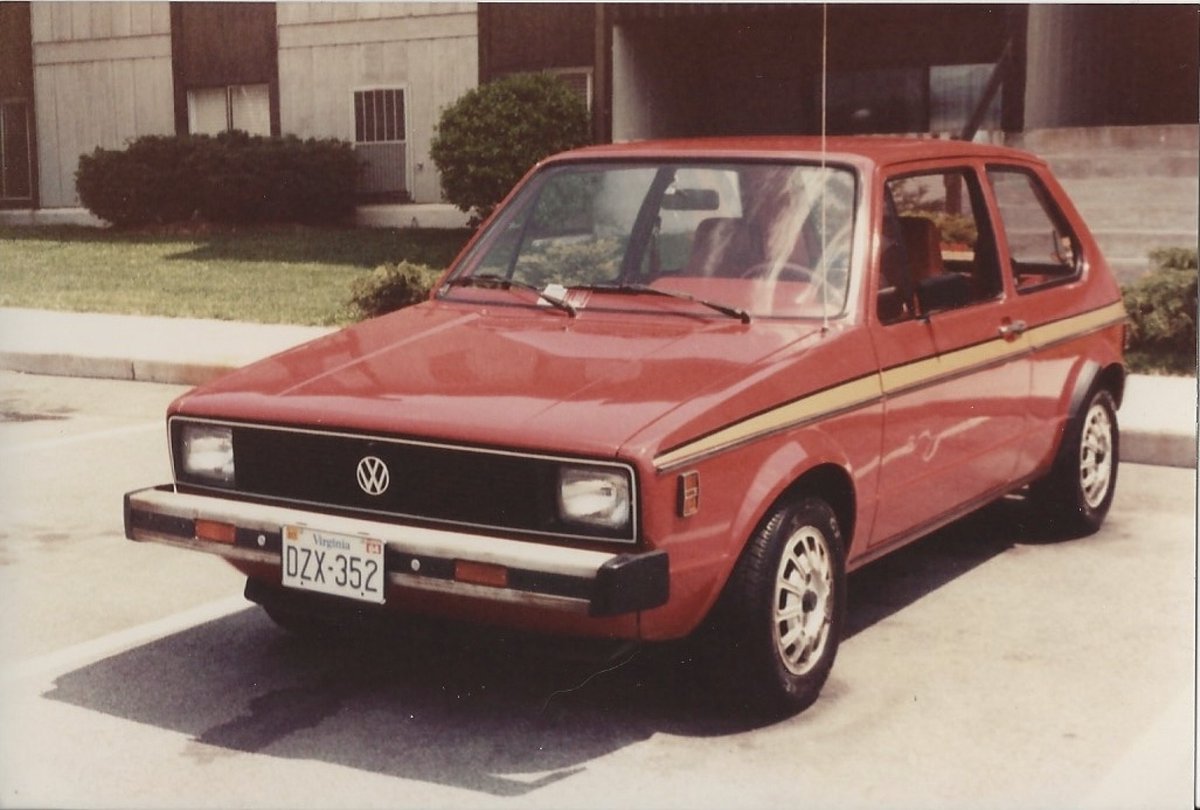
(1095, 456)
(803, 599)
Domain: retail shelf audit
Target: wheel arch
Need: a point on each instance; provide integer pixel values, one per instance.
(1092, 376)
(833, 483)
(795, 470)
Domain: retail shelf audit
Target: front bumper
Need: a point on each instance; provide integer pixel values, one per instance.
(595, 583)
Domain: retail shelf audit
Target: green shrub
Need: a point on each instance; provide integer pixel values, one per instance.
(492, 135)
(1162, 308)
(232, 178)
(390, 287)
(146, 183)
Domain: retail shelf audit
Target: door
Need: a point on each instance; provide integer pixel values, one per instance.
(954, 362)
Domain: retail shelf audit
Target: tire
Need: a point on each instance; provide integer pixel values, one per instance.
(1075, 496)
(781, 616)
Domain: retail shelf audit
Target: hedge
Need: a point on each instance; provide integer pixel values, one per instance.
(493, 134)
(390, 287)
(231, 178)
(1162, 308)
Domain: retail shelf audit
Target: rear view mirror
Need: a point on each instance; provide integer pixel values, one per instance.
(691, 199)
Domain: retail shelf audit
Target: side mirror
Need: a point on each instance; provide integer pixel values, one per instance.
(943, 291)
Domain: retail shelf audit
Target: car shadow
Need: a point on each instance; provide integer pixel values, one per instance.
(470, 707)
(895, 581)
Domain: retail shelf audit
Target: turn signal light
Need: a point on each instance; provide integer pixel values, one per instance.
(476, 573)
(216, 532)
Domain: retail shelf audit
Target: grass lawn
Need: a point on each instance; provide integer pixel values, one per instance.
(284, 274)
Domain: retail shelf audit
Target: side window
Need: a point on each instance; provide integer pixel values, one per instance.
(938, 253)
(1041, 247)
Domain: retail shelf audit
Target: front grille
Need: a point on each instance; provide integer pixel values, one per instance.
(429, 482)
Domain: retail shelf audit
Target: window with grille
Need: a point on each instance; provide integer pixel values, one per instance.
(379, 116)
(579, 80)
(380, 143)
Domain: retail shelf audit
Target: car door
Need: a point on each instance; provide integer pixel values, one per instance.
(954, 361)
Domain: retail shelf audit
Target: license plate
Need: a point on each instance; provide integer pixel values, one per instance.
(337, 564)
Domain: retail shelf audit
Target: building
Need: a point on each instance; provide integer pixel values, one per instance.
(1109, 93)
(79, 75)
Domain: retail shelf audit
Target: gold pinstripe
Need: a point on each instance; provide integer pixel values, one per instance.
(866, 390)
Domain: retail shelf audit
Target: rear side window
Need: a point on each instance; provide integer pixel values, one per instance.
(1042, 248)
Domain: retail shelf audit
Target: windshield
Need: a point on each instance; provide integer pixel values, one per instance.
(770, 240)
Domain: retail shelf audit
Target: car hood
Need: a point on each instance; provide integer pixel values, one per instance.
(507, 377)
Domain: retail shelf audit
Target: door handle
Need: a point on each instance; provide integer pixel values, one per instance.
(1010, 330)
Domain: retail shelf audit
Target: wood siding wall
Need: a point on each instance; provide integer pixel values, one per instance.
(16, 57)
(1112, 65)
(516, 37)
(103, 76)
(329, 50)
(223, 44)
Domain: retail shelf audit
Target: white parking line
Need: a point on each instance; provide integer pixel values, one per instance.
(94, 435)
(79, 655)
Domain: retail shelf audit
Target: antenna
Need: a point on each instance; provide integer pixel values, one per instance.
(824, 173)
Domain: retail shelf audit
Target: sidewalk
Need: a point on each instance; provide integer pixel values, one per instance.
(1158, 416)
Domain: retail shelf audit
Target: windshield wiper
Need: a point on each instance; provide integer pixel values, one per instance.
(645, 289)
(493, 281)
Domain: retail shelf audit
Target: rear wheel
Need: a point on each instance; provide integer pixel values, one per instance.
(781, 618)
(1077, 493)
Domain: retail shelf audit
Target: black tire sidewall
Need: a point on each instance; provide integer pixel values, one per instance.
(1091, 517)
(774, 687)
(1060, 496)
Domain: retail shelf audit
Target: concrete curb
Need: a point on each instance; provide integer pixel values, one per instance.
(1158, 417)
(179, 351)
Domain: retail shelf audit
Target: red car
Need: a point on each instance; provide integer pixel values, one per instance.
(675, 384)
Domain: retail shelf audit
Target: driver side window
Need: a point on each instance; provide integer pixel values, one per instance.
(937, 252)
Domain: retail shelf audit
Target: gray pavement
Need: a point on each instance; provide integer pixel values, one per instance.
(1158, 417)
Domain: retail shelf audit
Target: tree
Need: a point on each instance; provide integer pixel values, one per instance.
(493, 134)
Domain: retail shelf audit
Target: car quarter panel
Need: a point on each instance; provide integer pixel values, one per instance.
(1075, 327)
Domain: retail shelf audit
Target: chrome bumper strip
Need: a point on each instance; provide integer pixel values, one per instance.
(595, 582)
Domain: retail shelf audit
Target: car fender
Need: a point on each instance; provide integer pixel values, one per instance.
(781, 471)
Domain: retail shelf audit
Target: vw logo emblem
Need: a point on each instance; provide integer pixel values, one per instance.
(373, 475)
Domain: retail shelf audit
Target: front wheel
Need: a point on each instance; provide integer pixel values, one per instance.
(781, 618)
(1077, 493)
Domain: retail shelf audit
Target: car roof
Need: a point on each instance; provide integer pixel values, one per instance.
(853, 149)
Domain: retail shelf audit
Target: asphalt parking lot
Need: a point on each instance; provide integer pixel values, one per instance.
(987, 666)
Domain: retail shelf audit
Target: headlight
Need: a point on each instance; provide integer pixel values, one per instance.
(207, 453)
(594, 496)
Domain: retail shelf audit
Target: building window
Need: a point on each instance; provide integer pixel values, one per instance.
(379, 135)
(954, 91)
(579, 80)
(212, 110)
(15, 153)
(379, 116)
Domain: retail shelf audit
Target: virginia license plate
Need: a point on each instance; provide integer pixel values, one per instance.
(338, 564)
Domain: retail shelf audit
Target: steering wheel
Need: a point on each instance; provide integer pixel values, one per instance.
(780, 271)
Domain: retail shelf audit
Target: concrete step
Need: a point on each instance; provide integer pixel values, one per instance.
(1128, 271)
(1169, 137)
(1124, 163)
(1138, 242)
(1156, 204)
(1163, 216)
